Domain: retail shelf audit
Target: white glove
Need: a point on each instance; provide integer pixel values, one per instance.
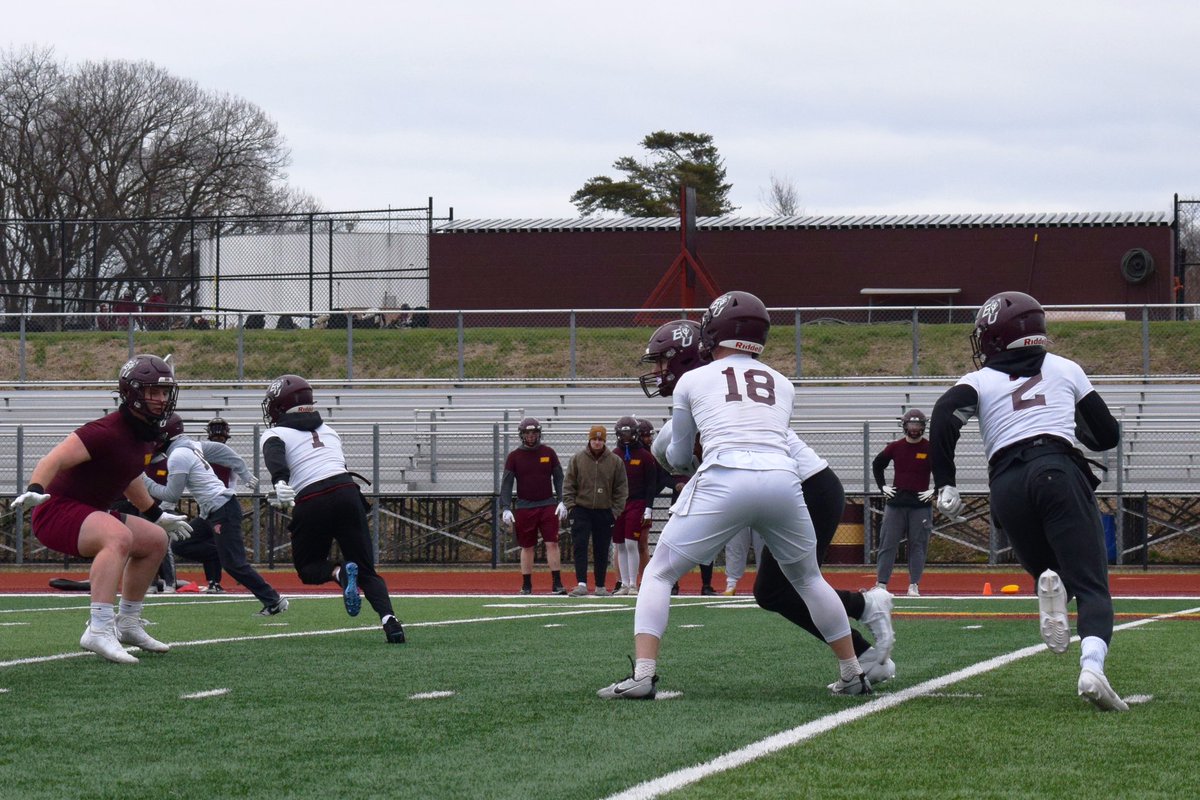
(509, 519)
(26, 500)
(648, 515)
(925, 496)
(888, 490)
(285, 495)
(176, 526)
(562, 512)
(252, 484)
(949, 503)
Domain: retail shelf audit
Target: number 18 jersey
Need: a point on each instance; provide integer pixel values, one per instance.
(1012, 408)
(742, 409)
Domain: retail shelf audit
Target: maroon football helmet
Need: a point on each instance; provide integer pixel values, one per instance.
(531, 432)
(913, 423)
(138, 374)
(172, 429)
(644, 429)
(1007, 321)
(285, 393)
(217, 429)
(674, 349)
(737, 320)
(626, 429)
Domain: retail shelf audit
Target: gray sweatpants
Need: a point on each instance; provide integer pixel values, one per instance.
(899, 522)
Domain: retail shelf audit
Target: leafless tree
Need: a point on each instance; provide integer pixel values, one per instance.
(117, 141)
(783, 198)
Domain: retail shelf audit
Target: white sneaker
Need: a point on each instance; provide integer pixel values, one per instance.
(130, 631)
(578, 591)
(630, 689)
(620, 592)
(1093, 687)
(631, 591)
(913, 591)
(730, 589)
(856, 685)
(1052, 612)
(104, 643)
(876, 671)
(877, 615)
(601, 591)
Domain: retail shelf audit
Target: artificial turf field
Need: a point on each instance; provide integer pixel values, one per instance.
(494, 697)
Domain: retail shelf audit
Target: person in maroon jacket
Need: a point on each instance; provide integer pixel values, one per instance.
(909, 509)
(539, 476)
(72, 488)
(641, 473)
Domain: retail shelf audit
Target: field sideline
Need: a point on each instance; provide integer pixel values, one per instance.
(493, 696)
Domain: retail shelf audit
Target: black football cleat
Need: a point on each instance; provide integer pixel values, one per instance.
(394, 631)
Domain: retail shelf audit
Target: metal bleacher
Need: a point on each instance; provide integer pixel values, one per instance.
(454, 439)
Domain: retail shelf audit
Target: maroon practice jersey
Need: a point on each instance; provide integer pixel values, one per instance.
(118, 456)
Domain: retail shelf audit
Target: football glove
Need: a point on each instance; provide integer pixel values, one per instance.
(561, 511)
(888, 490)
(252, 484)
(509, 519)
(949, 503)
(926, 495)
(285, 495)
(647, 515)
(28, 499)
(176, 526)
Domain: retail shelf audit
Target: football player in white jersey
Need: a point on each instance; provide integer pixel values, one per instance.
(308, 469)
(189, 470)
(741, 409)
(1032, 407)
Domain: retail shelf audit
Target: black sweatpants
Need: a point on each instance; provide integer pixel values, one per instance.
(591, 525)
(333, 510)
(226, 524)
(826, 500)
(1046, 506)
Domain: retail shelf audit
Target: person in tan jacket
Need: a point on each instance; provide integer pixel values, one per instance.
(594, 492)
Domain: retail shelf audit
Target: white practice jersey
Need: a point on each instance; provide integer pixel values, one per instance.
(1012, 409)
(742, 409)
(188, 470)
(808, 463)
(311, 455)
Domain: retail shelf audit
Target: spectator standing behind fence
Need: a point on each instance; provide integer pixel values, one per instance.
(539, 507)
(908, 510)
(1032, 406)
(72, 487)
(641, 475)
(156, 303)
(127, 310)
(307, 465)
(594, 492)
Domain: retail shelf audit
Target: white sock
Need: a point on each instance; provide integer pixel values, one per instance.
(102, 616)
(128, 608)
(849, 668)
(1094, 653)
(383, 620)
(644, 668)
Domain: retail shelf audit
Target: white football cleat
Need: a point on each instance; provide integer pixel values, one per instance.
(856, 685)
(876, 671)
(130, 631)
(877, 615)
(914, 590)
(104, 644)
(630, 689)
(1094, 687)
(1052, 611)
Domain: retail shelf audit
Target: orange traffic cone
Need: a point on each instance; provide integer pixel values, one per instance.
(987, 589)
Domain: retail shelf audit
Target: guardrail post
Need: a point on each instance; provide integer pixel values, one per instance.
(868, 520)
(1146, 341)
(495, 495)
(461, 360)
(19, 522)
(916, 343)
(21, 358)
(350, 348)
(241, 347)
(571, 369)
(799, 369)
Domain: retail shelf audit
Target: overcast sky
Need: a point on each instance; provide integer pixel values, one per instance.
(504, 109)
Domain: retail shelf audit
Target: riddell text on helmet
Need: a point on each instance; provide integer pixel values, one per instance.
(751, 347)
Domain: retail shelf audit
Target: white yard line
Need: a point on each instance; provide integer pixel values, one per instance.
(764, 747)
